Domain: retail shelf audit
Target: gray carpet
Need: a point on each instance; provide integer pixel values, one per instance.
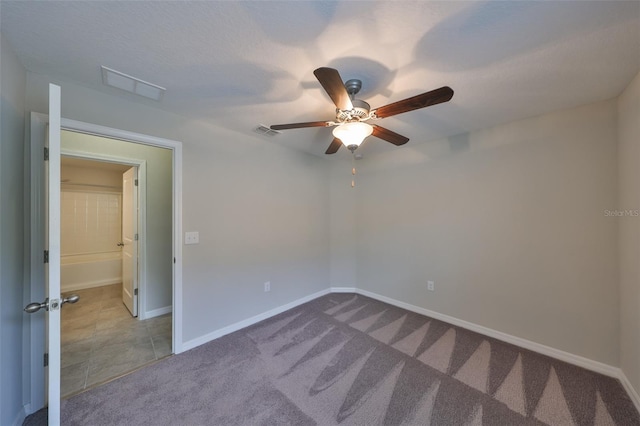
(351, 360)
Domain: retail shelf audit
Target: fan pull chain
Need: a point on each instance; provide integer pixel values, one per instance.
(353, 169)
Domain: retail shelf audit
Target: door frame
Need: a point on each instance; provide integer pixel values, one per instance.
(35, 267)
(141, 166)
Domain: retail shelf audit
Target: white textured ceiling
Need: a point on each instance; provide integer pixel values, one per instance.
(239, 64)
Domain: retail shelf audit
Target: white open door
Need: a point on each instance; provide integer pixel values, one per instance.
(50, 233)
(52, 268)
(130, 240)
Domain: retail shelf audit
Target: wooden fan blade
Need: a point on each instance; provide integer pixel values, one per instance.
(332, 83)
(389, 136)
(334, 147)
(299, 125)
(434, 97)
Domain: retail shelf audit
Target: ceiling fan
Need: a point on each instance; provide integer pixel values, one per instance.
(352, 114)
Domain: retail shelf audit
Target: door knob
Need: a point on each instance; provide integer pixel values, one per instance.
(121, 244)
(71, 299)
(32, 308)
(35, 307)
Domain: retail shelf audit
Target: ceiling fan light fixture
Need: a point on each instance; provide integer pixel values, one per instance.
(351, 113)
(352, 134)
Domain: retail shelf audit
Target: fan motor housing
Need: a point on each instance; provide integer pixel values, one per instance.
(360, 111)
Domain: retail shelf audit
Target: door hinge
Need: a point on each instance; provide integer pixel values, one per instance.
(46, 359)
(46, 256)
(136, 237)
(135, 291)
(46, 154)
(135, 182)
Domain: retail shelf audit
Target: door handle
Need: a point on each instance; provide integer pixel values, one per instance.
(120, 244)
(71, 299)
(32, 308)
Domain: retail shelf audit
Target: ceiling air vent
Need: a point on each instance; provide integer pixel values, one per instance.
(265, 130)
(127, 83)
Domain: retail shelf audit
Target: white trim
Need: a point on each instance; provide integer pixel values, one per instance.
(570, 358)
(250, 321)
(90, 284)
(157, 312)
(586, 363)
(343, 290)
(52, 268)
(21, 415)
(37, 135)
(176, 147)
(633, 394)
(176, 330)
(125, 135)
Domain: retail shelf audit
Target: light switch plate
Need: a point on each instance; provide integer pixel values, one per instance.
(192, 237)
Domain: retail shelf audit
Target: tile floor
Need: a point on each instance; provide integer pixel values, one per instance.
(101, 340)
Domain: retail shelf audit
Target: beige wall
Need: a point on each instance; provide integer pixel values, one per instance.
(90, 210)
(101, 179)
(509, 222)
(629, 230)
(90, 222)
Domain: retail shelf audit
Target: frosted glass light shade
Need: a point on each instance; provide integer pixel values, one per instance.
(352, 133)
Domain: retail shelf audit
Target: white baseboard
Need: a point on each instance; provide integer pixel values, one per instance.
(249, 321)
(586, 363)
(90, 284)
(633, 394)
(22, 414)
(570, 358)
(343, 290)
(157, 312)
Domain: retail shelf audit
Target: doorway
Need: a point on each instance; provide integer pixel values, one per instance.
(162, 311)
(100, 337)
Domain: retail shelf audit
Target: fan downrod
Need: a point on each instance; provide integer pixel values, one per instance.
(353, 86)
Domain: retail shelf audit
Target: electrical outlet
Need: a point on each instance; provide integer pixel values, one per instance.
(267, 286)
(431, 286)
